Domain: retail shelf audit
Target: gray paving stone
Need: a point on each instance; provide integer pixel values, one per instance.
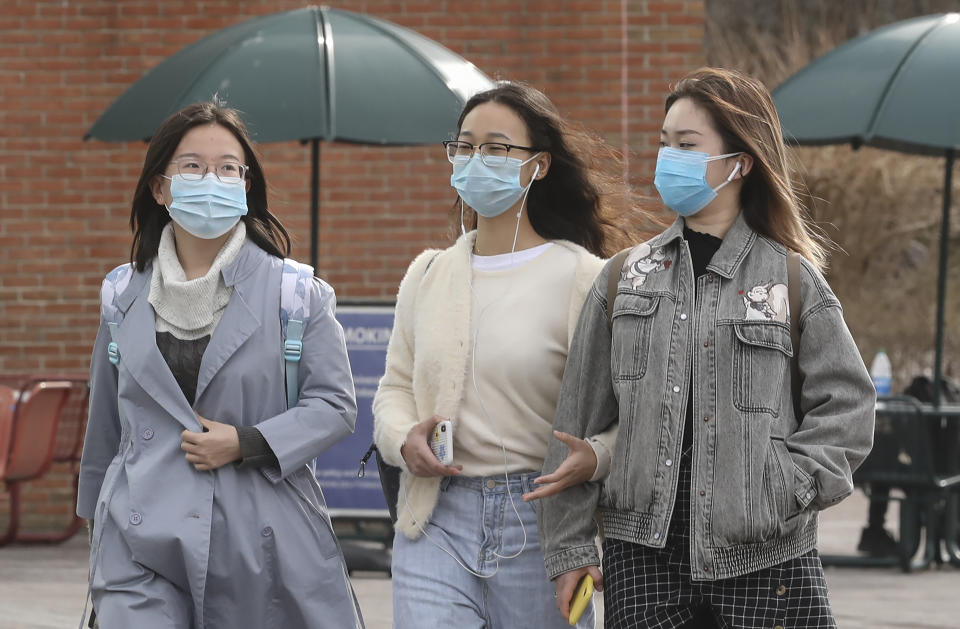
(42, 587)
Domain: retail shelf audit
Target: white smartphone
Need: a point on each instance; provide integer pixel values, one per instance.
(441, 442)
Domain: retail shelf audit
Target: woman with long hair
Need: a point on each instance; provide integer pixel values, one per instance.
(478, 350)
(742, 403)
(195, 468)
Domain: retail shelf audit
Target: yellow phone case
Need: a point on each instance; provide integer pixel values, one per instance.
(580, 598)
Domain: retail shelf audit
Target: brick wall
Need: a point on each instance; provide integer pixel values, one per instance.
(65, 203)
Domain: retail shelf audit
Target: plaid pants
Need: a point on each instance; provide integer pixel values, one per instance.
(650, 587)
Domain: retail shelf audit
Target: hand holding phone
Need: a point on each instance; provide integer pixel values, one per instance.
(441, 442)
(581, 598)
(418, 454)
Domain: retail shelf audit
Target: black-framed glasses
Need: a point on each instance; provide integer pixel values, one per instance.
(491, 153)
(228, 171)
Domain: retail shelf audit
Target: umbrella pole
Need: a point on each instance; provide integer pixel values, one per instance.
(314, 203)
(942, 276)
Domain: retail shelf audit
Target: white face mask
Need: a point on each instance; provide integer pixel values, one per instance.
(490, 190)
(206, 208)
(681, 179)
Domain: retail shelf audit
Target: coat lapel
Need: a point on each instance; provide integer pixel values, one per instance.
(139, 355)
(239, 321)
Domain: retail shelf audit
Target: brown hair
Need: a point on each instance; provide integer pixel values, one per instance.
(148, 218)
(583, 197)
(744, 115)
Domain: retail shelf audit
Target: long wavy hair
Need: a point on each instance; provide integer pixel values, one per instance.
(583, 197)
(743, 113)
(148, 218)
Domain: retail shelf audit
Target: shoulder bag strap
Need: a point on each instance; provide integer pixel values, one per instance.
(794, 284)
(616, 264)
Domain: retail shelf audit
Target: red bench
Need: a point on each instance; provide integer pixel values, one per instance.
(42, 422)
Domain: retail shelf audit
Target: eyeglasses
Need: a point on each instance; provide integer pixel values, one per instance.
(193, 169)
(491, 153)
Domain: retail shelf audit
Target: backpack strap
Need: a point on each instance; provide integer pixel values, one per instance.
(616, 264)
(113, 286)
(794, 284)
(294, 315)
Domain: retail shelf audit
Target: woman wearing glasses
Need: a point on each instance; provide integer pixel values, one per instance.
(195, 471)
(480, 340)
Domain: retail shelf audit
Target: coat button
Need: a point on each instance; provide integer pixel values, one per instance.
(676, 389)
(703, 493)
(706, 418)
(147, 434)
(656, 536)
(781, 590)
(706, 343)
(135, 518)
(683, 316)
(668, 462)
(267, 531)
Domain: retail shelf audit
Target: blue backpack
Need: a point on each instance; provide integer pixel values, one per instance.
(294, 315)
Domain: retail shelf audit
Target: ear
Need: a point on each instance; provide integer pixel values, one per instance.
(544, 162)
(156, 189)
(746, 164)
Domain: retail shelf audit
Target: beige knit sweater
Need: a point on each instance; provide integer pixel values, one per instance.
(427, 359)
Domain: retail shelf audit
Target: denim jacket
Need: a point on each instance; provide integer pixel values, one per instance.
(760, 474)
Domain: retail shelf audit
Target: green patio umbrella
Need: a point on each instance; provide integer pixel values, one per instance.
(311, 74)
(896, 88)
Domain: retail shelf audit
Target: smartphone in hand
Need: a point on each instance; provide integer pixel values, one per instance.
(441, 442)
(581, 598)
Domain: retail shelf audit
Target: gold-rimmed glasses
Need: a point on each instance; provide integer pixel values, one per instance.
(227, 171)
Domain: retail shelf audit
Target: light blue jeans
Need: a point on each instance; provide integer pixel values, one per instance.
(475, 521)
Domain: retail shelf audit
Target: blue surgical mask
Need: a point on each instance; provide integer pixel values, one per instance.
(489, 190)
(206, 208)
(681, 179)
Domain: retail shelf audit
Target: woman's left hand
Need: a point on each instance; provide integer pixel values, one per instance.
(578, 467)
(214, 448)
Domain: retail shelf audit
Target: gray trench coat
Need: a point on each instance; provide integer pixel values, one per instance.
(238, 546)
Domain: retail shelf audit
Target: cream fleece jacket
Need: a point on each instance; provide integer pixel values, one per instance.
(427, 360)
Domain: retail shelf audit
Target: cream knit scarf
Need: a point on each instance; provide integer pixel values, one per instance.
(190, 309)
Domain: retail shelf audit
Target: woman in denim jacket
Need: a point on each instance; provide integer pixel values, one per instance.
(710, 505)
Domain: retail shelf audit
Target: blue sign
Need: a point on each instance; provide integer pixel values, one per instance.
(367, 332)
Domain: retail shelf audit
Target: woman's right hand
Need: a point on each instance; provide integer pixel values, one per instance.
(567, 583)
(419, 457)
(578, 467)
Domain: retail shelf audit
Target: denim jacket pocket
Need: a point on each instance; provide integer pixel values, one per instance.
(632, 328)
(774, 508)
(761, 360)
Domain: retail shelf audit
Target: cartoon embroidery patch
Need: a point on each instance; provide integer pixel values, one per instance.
(767, 302)
(643, 261)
